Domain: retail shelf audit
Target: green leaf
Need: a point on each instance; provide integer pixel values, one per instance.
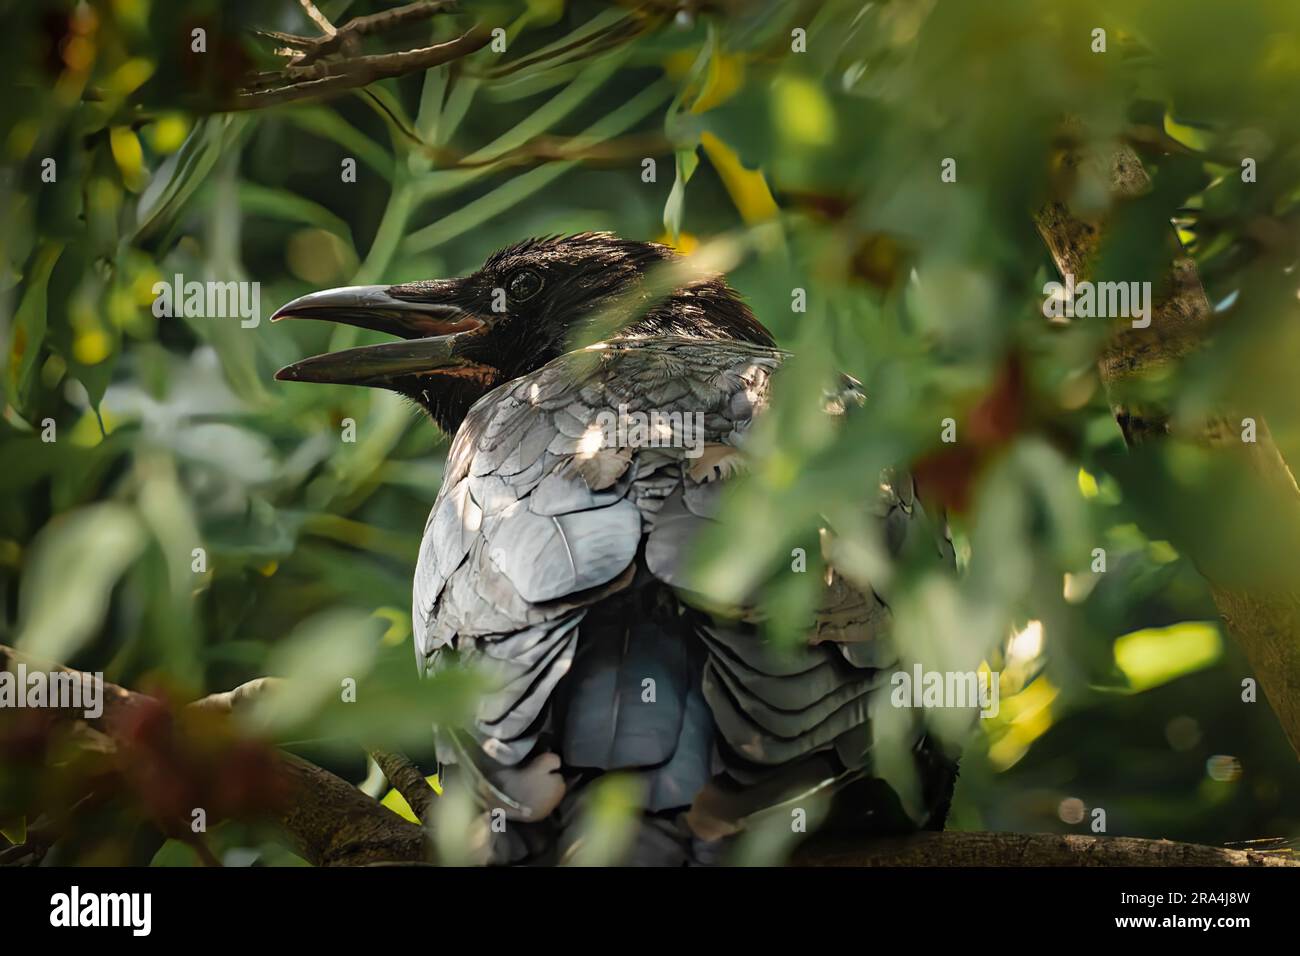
(1157, 655)
(174, 853)
(29, 328)
(281, 204)
(686, 162)
(74, 564)
(324, 122)
(444, 181)
(174, 183)
(505, 197)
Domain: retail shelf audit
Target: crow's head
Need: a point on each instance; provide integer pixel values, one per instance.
(525, 306)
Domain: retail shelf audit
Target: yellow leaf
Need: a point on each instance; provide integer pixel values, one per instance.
(130, 76)
(167, 134)
(803, 113)
(399, 624)
(723, 80)
(1187, 135)
(397, 803)
(686, 243)
(92, 346)
(747, 187)
(1157, 655)
(129, 157)
(723, 77)
(1024, 717)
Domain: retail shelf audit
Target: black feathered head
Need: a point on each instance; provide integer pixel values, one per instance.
(526, 305)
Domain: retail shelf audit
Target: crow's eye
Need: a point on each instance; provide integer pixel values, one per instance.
(524, 285)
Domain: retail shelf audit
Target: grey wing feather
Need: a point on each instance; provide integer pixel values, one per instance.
(539, 526)
(549, 556)
(613, 718)
(533, 524)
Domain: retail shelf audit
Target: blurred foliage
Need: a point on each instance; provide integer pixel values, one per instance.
(816, 170)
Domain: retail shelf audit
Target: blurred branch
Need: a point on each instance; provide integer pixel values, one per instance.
(332, 823)
(228, 702)
(1264, 615)
(955, 848)
(328, 821)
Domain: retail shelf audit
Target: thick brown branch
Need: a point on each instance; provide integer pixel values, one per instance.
(332, 823)
(1263, 616)
(955, 848)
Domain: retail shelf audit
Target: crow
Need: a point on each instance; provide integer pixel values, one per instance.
(599, 402)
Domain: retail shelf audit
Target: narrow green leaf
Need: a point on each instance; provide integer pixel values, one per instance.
(29, 328)
(68, 579)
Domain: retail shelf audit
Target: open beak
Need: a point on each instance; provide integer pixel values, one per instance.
(432, 332)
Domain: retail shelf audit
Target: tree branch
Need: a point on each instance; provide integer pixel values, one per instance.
(330, 64)
(318, 18)
(332, 823)
(328, 821)
(407, 780)
(326, 78)
(957, 848)
(1262, 615)
(309, 49)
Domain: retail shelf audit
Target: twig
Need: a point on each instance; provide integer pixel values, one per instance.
(407, 780)
(308, 49)
(326, 78)
(319, 18)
